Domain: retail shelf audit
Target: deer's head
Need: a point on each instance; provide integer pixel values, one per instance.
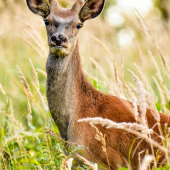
(63, 24)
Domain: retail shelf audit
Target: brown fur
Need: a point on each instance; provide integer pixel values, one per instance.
(71, 97)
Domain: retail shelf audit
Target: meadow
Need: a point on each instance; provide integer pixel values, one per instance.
(135, 69)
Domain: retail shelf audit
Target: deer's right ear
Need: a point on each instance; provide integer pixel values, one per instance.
(39, 7)
(91, 9)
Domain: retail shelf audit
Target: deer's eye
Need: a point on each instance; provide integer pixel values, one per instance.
(79, 26)
(46, 22)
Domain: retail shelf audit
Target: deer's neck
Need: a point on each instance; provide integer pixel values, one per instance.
(65, 80)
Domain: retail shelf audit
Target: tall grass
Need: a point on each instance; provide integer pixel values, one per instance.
(29, 138)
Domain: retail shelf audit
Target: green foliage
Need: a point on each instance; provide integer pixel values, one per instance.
(167, 167)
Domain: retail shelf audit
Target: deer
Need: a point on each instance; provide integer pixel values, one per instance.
(72, 97)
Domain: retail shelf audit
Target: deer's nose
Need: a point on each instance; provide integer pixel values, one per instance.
(59, 40)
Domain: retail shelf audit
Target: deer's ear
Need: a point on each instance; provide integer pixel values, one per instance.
(91, 9)
(39, 7)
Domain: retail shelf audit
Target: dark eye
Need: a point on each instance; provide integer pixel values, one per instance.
(46, 22)
(79, 26)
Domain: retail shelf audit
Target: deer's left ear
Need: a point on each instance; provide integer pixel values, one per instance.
(91, 9)
(39, 7)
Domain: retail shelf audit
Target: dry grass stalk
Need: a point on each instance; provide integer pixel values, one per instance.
(69, 163)
(133, 88)
(41, 97)
(39, 167)
(144, 80)
(116, 78)
(164, 62)
(101, 43)
(167, 93)
(157, 68)
(151, 104)
(110, 124)
(91, 76)
(140, 52)
(121, 65)
(141, 98)
(31, 45)
(126, 87)
(103, 75)
(144, 25)
(37, 34)
(100, 137)
(28, 104)
(42, 72)
(12, 117)
(142, 135)
(2, 89)
(24, 81)
(146, 162)
(160, 92)
(64, 164)
(35, 74)
(135, 107)
(39, 44)
(117, 93)
(87, 162)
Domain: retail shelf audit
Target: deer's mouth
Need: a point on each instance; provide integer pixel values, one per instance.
(59, 46)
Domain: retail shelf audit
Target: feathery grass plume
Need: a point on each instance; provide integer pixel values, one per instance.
(35, 74)
(86, 162)
(164, 62)
(103, 75)
(144, 80)
(111, 124)
(41, 97)
(146, 162)
(133, 129)
(2, 90)
(141, 98)
(42, 72)
(100, 137)
(24, 81)
(32, 46)
(135, 107)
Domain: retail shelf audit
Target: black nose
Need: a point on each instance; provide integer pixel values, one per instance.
(58, 40)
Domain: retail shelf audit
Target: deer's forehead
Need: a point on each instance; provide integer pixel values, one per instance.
(63, 12)
(62, 16)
